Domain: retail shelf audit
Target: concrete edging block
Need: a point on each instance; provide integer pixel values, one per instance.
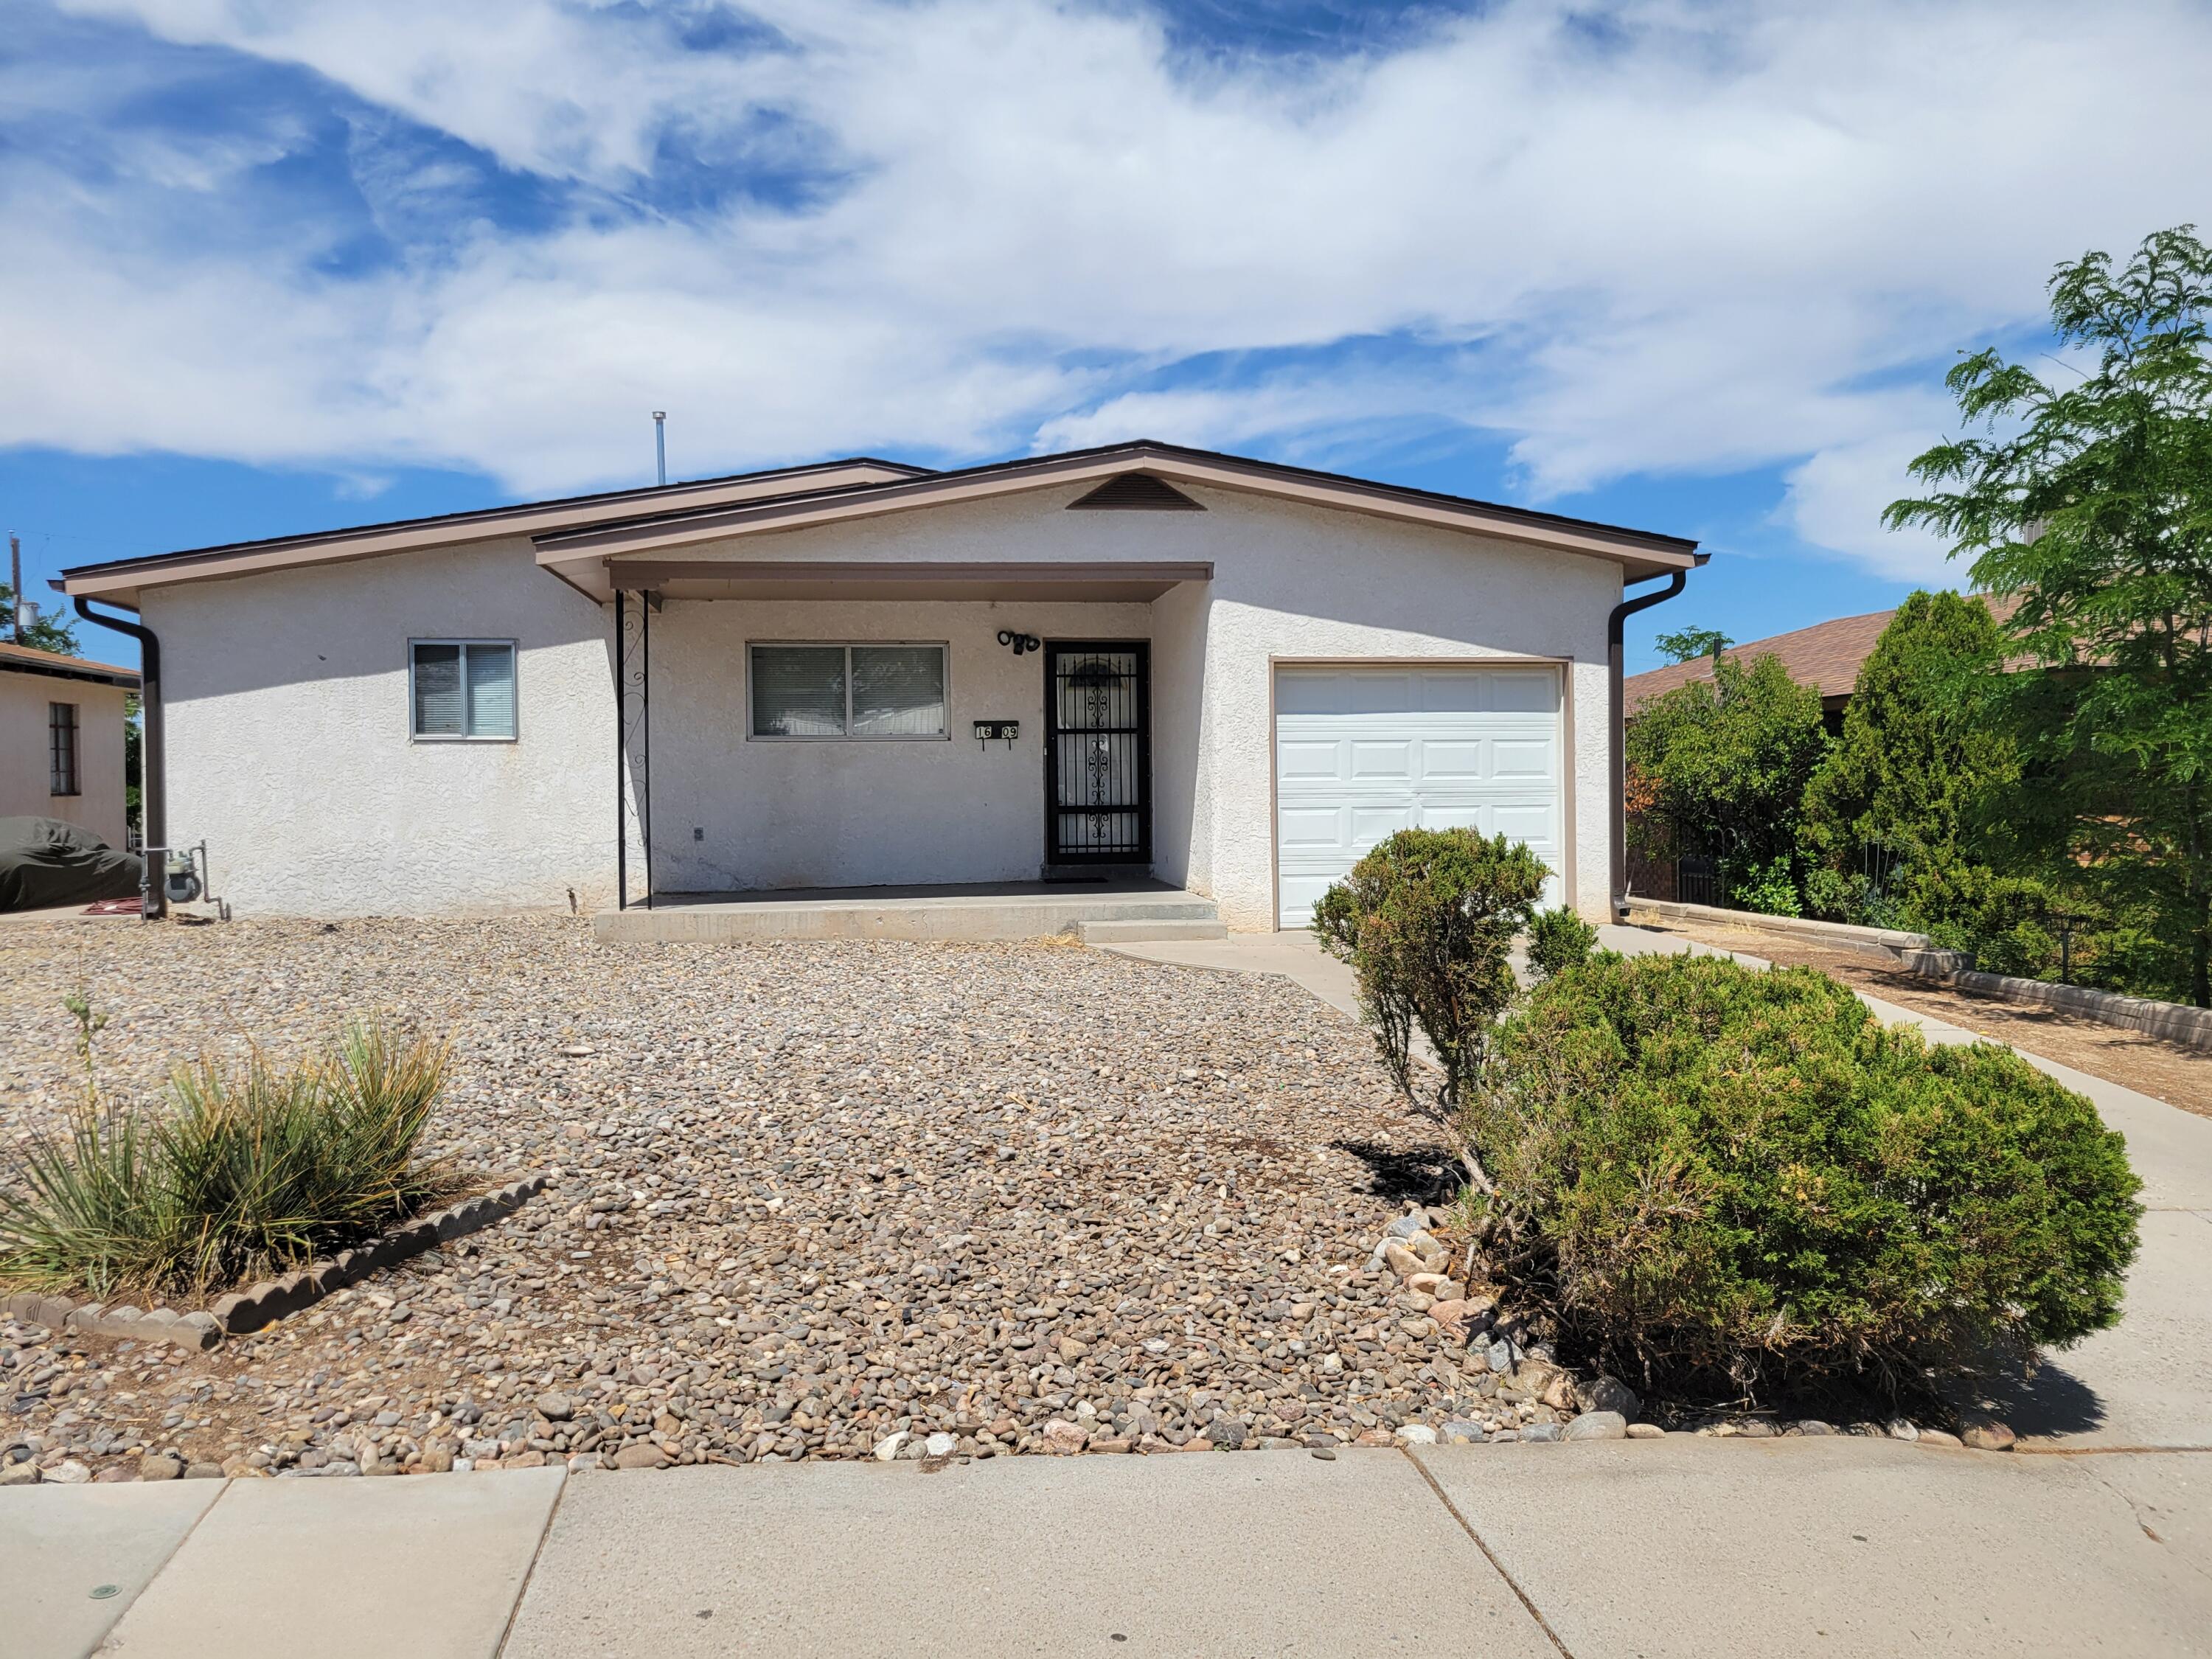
(239, 1313)
(1920, 956)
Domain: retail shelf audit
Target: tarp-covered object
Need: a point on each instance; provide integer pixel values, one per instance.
(45, 862)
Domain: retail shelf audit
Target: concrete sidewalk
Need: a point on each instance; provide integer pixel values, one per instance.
(1614, 1550)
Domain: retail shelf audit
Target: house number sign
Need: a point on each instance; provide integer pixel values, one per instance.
(998, 731)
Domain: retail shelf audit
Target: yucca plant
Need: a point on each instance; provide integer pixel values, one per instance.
(251, 1169)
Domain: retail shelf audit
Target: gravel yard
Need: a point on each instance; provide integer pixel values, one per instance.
(806, 1198)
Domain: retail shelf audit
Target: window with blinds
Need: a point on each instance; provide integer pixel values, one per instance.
(850, 692)
(460, 689)
(62, 749)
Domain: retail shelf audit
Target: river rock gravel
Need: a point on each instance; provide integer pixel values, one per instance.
(805, 1198)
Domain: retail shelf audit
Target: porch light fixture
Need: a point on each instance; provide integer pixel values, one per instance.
(1019, 642)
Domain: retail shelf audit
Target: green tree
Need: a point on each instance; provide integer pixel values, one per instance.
(47, 634)
(1686, 643)
(2090, 500)
(1918, 767)
(1726, 763)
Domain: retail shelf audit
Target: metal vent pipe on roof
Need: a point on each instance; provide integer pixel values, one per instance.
(660, 445)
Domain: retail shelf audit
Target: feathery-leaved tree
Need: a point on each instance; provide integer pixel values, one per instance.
(2090, 500)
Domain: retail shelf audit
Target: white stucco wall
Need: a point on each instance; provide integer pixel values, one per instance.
(26, 770)
(733, 812)
(289, 745)
(289, 749)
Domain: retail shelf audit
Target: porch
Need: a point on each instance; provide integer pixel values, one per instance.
(1097, 913)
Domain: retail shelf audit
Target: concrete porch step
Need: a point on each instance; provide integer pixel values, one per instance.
(1140, 933)
(1008, 910)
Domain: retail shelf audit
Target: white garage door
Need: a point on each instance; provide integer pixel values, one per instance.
(1363, 752)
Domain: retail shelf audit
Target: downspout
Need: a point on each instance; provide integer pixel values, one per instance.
(153, 802)
(1614, 626)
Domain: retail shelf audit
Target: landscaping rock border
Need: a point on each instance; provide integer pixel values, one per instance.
(261, 1305)
(1920, 956)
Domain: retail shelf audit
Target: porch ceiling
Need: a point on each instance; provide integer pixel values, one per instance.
(758, 578)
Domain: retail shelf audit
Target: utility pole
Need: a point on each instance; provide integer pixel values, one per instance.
(14, 587)
(660, 443)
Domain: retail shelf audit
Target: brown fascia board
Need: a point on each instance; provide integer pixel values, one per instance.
(50, 665)
(1642, 552)
(117, 580)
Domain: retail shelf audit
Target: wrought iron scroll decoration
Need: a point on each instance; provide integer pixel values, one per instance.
(633, 739)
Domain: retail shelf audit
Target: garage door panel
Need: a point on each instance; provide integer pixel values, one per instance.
(1378, 694)
(1454, 693)
(1362, 754)
(1300, 895)
(1529, 692)
(1311, 827)
(1534, 823)
(1512, 759)
(1381, 760)
(1372, 825)
(1452, 759)
(1300, 758)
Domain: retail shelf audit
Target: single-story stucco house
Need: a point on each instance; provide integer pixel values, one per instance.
(63, 724)
(1229, 675)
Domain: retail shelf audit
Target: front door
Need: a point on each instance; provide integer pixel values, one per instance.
(1098, 753)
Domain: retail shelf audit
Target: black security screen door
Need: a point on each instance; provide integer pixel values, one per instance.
(1098, 754)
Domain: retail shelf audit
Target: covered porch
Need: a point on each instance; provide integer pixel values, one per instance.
(913, 749)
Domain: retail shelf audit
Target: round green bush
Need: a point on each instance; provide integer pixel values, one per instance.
(1729, 1181)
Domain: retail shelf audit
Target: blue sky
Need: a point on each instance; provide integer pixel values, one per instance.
(1695, 267)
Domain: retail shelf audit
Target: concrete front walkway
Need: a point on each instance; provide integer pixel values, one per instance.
(1705, 1549)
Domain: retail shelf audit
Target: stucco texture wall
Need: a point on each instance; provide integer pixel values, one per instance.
(26, 773)
(286, 697)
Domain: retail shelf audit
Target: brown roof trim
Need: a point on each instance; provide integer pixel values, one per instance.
(29, 660)
(1636, 547)
(116, 578)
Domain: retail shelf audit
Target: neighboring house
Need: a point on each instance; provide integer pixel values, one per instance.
(61, 739)
(1246, 674)
(1828, 655)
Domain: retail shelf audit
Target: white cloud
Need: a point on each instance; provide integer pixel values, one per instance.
(1835, 500)
(1705, 237)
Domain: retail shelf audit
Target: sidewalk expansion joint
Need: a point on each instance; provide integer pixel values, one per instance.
(530, 1572)
(1497, 1566)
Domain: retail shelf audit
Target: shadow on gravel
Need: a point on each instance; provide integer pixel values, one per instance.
(1429, 1174)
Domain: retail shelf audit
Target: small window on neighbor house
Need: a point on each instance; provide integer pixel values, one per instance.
(462, 689)
(61, 748)
(850, 691)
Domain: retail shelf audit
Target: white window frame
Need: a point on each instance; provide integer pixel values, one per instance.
(943, 647)
(413, 736)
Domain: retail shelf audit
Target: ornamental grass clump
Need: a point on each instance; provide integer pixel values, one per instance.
(246, 1171)
(1733, 1182)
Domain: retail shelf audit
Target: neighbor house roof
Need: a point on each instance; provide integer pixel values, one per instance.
(578, 538)
(27, 659)
(1828, 655)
